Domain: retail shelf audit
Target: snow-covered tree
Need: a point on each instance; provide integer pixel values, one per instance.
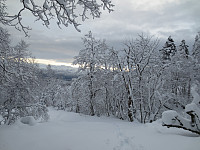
(18, 82)
(133, 83)
(196, 47)
(178, 77)
(5, 53)
(94, 91)
(140, 61)
(51, 90)
(169, 49)
(183, 48)
(184, 72)
(2, 11)
(196, 56)
(90, 60)
(66, 12)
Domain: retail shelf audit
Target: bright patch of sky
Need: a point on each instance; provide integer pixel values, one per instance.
(55, 63)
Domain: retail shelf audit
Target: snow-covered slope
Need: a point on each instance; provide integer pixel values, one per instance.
(70, 131)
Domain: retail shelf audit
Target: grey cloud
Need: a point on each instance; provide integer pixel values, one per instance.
(53, 48)
(179, 19)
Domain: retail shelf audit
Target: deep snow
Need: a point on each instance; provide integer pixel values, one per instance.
(70, 131)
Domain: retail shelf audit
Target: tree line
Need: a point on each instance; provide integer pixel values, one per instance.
(136, 83)
(25, 89)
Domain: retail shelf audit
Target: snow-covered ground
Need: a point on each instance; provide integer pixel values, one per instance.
(70, 131)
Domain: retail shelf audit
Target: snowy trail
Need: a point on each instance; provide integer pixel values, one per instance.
(70, 131)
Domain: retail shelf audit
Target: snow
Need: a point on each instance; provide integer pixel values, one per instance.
(167, 116)
(196, 97)
(45, 5)
(29, 120)
(1, 118)
(192, 108)
(171, 117)
(71, 131)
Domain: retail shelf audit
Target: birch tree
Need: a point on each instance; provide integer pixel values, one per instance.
(139, 56)
(89, 60)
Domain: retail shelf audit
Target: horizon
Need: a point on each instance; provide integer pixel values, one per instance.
(54, 63)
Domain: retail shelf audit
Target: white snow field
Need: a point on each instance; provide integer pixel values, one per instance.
(70, 131)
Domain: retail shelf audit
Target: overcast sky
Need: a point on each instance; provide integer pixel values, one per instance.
(178, 18)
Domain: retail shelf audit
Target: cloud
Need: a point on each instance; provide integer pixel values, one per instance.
(179, 18)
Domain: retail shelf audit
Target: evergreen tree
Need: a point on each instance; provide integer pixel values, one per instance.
(196, 48)
(169, 49)
(183, 48)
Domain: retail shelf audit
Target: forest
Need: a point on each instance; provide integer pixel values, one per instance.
(137, 83)
(130, 94)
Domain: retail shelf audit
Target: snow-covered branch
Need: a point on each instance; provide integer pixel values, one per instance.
(172, 119)
(66, 12)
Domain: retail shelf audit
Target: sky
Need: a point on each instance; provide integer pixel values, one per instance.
(161, 18)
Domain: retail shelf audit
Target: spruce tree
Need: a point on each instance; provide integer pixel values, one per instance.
(169, 49)
(183, 48)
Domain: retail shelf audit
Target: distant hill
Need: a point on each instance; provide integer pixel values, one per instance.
(66, 73)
